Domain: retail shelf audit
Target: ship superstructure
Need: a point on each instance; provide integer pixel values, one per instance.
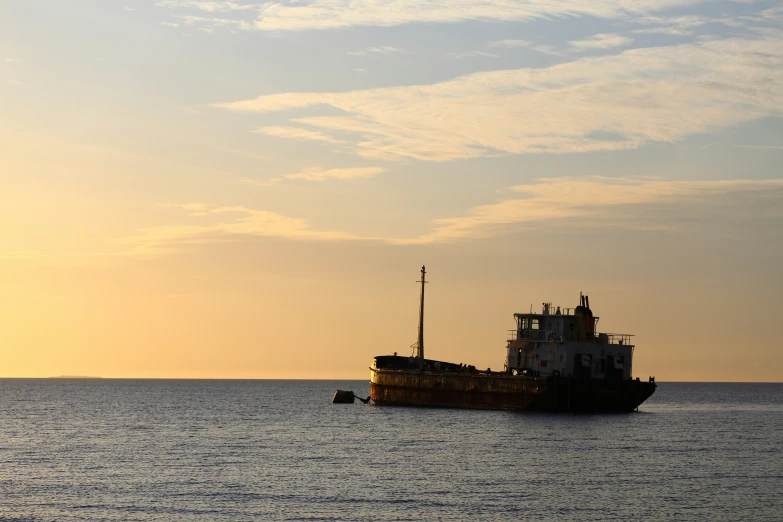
(566, 342)
(556, 360)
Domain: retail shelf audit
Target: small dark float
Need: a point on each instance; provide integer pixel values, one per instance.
(347, 397)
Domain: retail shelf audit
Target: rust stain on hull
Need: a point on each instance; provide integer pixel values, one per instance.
(505, 392)
(392, 395)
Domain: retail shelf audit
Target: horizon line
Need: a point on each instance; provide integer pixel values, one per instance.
(86, 378)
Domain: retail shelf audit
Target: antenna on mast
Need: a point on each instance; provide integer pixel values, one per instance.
(420, 344)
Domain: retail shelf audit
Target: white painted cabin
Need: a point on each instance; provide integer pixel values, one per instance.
(567, 342)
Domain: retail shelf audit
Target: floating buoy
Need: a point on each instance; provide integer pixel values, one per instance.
(347, 397)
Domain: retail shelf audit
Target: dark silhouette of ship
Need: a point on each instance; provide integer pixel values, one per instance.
(556, 361)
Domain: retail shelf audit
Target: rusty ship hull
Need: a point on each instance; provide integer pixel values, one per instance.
(501, 391)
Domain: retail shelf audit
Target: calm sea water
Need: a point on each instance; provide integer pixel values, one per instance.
(279, 450)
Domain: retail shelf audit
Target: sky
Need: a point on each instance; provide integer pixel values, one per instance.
(229, 189)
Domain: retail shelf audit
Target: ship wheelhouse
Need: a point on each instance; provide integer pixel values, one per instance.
(567, 342)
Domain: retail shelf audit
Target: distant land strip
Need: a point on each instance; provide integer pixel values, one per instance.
(74, 377)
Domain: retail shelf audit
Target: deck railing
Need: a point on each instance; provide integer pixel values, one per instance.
(551, 335)
(552, 311)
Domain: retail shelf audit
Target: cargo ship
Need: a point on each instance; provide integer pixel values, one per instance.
(556, 360)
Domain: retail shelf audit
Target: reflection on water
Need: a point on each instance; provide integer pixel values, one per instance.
(279, 450)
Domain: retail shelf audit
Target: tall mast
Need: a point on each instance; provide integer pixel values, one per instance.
(420, 347)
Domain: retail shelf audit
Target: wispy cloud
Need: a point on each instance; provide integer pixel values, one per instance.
(773, 14)
(129, 9)
(510, 43)
(471, 54)
(559, 198)
(208, 15)
(12, 60)
(246, 222)
(297, 133)
(549, 49)
(528, 44)
(209, 23)
(326, 14)
(595, 200)
(680, 25)
(208, 6)
(610, 102)
(761, 147)
(602, 41)
(319, 174)
(330, 14)
(385, 49)
(15, 82)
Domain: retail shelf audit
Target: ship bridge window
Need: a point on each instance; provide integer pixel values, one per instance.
(534, 324)
(523, 323)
